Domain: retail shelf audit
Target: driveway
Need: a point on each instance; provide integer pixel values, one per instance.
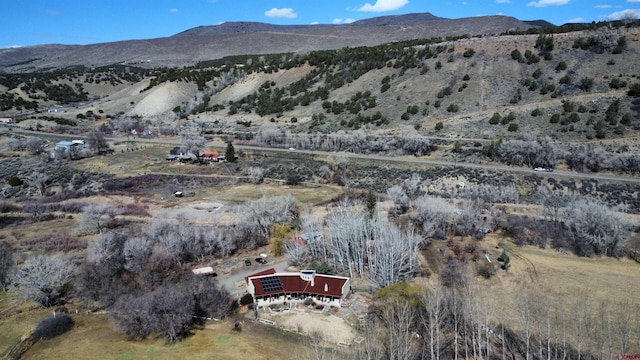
(231, 281)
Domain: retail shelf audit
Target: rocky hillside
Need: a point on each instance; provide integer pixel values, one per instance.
(574, 85)
(241, 38)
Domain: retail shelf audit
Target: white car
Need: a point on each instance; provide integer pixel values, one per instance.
(292, 149)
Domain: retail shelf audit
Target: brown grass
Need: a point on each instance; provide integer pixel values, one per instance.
(93, 337)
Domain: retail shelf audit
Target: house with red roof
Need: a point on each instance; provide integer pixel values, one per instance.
(270, 287)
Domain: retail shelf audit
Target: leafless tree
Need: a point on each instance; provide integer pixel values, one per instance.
(433, 302)
(398, 317)
(595, 224)
(136, 251)
(400, 199)
(433, 215)
(44, 279)
(393, 253)
(96, 218)
(312, 226)
(168, 311)
(412, 186)
(254, 219)
(269, 134)
(96, 141)
(39, 180)
(525, 303)
(348, 235)
(254, 173)
(35, 145)
(192, 143)
(625, 315)
(553, 203)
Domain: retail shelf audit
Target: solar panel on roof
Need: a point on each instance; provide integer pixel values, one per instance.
(271, 284)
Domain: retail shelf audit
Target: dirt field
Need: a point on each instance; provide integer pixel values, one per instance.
(328, 327)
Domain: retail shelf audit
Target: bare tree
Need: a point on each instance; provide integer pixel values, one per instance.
(433, 302)
(96, 219)
(96, 141)
(254, 173)
(44, 279)
(393, 253)
(39, 180)
(526, 314)
(167, 311)
(399, 197)
(595, 224)
(35, 145)
(398, 317)
(136, 251)
(581, 322)
(312, 226)
(254, 219)
(433, 215)
(192, 143)
(626, 314)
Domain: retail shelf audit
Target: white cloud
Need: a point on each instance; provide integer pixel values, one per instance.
(286, 13)
(633, 1)
(545, 3)
(174, 10)
(624, 14)
(503, 1)
(577, 20)
(315, 23)
(603, 6)
(383, 5)
(337, 21)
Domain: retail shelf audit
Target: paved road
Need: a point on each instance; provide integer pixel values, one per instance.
(384, 158)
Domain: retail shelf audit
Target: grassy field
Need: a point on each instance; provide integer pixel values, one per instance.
(93, 337)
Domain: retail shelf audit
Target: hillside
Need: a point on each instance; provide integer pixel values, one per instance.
(241, 38)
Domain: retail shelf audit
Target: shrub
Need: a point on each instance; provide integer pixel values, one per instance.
(453, 108)
(516, 55)
(634, 90)
(485, 270)
(439, 125)
(565, 79)
(14, 181)
(495, 119)
(586, 84)
(536, 112)
(617, 83)
(469, 53)
(561, 66)
(513, 127)
(53, 326)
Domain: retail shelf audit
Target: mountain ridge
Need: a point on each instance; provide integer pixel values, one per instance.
(240, 38)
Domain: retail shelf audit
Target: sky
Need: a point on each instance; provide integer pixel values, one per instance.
(36, 22)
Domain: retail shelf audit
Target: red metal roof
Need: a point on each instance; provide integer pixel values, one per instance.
(323, 285)
(269, 271)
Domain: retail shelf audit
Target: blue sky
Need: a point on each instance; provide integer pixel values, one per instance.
(34, 22)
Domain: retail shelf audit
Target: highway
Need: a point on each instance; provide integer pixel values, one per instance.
(384, 158)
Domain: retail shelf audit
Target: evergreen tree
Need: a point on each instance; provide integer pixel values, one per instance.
(230, 153)
(371, 204)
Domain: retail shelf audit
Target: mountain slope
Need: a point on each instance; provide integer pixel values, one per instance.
(214, 42)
